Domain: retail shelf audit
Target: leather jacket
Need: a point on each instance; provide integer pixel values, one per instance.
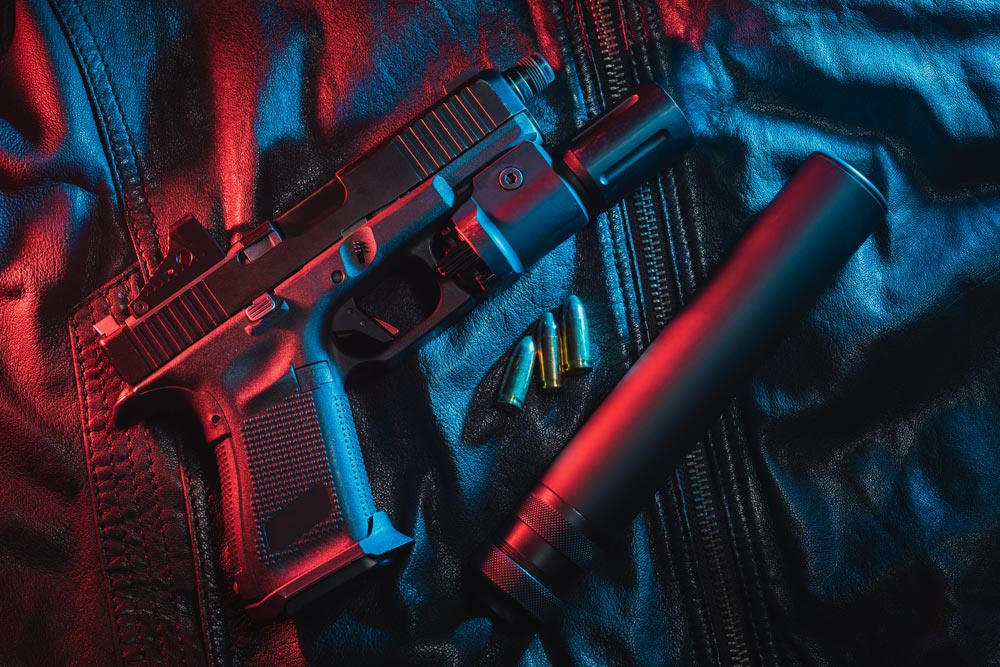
(843, 509)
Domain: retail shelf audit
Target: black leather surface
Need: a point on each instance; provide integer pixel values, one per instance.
(845, 507)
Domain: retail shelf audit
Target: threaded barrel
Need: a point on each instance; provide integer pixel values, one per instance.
(530, 76)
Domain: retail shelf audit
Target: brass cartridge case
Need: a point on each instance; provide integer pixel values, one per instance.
(517, 376)
(574, 338)
(548, 353)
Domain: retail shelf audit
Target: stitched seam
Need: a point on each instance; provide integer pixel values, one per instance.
(152, 250)
(127, 580)
(88, 433)
(99, 121)
(107, 375)
(130, 465)
(139, 217)
(166, 551)
(737, 520)
(669, 499)
(107, 380)
(106, 471)
(144, 542)
(105, 475)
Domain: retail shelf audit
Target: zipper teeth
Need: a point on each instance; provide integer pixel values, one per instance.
(654, 251)
(652, 244)
(614, 66)
(701, 495)
(647, 220)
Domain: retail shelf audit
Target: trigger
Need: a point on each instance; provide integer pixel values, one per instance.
(352, 321)
(391, 330)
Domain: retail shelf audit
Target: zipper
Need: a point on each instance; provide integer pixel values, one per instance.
(642, 217)
(715, 565)
(711, 542)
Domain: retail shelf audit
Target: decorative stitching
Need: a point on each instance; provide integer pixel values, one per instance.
(82, 382)
(97, 384)
(153, 249)
(163, 539)
(105, 469)
(132, 460)
(124, 163)
(95, 375)
(130, 476)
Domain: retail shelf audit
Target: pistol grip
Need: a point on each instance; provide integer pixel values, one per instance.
(297, 503)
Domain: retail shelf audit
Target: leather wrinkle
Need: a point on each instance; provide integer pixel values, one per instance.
(122, 154)
(854, 474)
(685, 248)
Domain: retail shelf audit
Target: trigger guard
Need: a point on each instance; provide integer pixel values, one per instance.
(135, 406)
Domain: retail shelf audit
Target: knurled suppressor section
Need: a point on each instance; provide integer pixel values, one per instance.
(543, 554)
(515, 581)
(293, 501)
(554, 528)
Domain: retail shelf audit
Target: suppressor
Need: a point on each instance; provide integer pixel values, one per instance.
(603, 477)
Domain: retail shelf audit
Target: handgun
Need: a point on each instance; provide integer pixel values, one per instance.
(262, 340)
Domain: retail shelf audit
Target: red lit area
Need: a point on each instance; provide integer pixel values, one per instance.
(234, 49)
(29, 102)
(689, 21)
(270, 434)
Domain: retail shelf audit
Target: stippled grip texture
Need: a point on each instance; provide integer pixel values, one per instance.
(298, 507)
(348, 450)
(293, 498)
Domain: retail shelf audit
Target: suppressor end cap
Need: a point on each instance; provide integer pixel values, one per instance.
(513, 593)
(861, 179)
